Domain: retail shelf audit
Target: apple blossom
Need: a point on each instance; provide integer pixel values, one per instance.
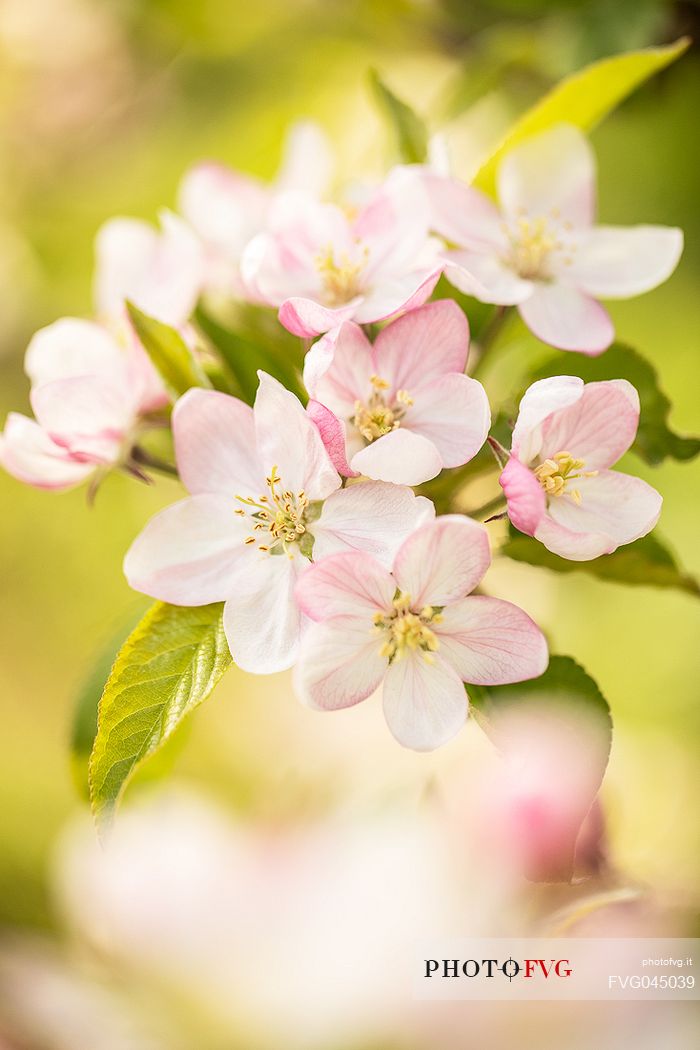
(161, 272)
(541, 251)
(557, 481)
(415, 629)
(264, 499)
(322, 264)
(88, 393)
(227, 208)
(403, 409)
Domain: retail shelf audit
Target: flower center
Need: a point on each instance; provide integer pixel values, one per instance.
(340, 274)
(280, 518)
(555, 474)
(377, 416)
(533, 242)
(404, 630)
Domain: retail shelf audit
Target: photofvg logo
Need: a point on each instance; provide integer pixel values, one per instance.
(510, 968)
(561, 968)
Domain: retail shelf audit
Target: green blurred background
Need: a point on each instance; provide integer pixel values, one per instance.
(102, 108)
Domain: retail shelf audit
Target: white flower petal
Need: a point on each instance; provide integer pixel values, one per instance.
(425, 704)
(289, 440)
(215, 444)
(616, 262)
(486, 277)
(401, 457)
(567, 319)
(552, 171)
(190, 553)
(618, 505)
(491, 642)
(262, 620)
(72, 347)
(29, 454)
(540, 401)
(597, 428)
(370, 516)
(339, 664)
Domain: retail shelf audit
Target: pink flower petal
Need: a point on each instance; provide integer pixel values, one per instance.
(333, 434)
(442, 561)
(451, 411)
(597, 428)
(262, 621)
(568, 319)
(28, 454)
(400, 457)
(553, 171)
(308, 161)
(72, 347)
(614, 262)
(572, 544)
(463, 215)
(619, 505)
(308, 319)
(347, 584)
(425, 704)
(420, 345)
(526, 499)
(491, 642)
(370, 516)
(397, 294)
(224, 207)
(337, 369)
(160, 272)
(289, 440)
(540, 401)
(215, 444)
(190, 553)
(486, 277)
(339, 664)
(88, 414)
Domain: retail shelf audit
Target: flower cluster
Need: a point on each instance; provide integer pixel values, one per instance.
(301, 516)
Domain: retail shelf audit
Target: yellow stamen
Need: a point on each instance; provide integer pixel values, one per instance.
(379, 416)
(404, 630)
(554, 475)
(341, 276)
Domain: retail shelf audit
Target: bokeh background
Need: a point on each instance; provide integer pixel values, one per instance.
(102, 108)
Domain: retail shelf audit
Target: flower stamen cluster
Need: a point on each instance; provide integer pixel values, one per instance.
(376, 417)
(281, 516)
(341, 279)
(533, 241)
(555, 474)
(405, 630)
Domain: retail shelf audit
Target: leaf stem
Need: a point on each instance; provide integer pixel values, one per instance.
(497, 503)
(145, 459)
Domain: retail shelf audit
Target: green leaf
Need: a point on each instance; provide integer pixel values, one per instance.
(655, 441)
(410, 131)
(167, 667)
(646, 562)
(173, 359)
(244, 355)
(567, 710)
(584, 98)
(84, 727)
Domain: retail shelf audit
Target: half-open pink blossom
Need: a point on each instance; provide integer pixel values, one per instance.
(227, 208)
(557, 481)
(417, 629)
(401, 409)
(541, 251)
(264, 500)
(322, 264)
(88, 394)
